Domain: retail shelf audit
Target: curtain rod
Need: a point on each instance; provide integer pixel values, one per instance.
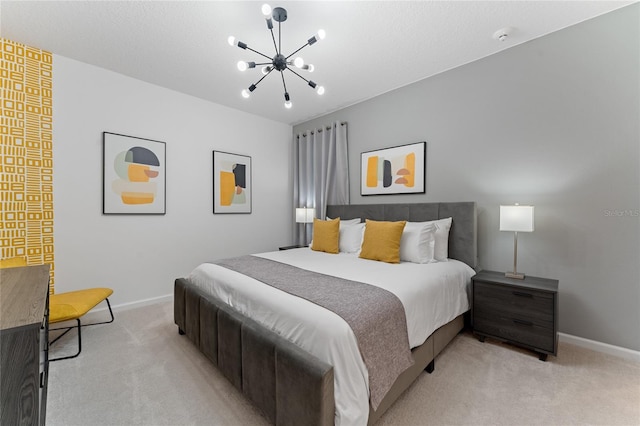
(320, 130)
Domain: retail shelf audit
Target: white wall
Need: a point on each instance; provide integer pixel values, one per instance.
(554, 123)
(140, 256)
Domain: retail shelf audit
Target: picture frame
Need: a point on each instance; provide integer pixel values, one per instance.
(396, 170)
(134, 177)
(232, 187)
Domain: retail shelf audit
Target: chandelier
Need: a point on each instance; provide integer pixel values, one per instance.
(279, 62)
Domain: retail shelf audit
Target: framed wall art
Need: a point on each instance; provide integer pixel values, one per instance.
(133, 175)
(231, 183)
(396, 170)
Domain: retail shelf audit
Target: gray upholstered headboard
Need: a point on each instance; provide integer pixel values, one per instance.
(462, 236)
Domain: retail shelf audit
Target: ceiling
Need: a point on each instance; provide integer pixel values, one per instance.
(371, 47)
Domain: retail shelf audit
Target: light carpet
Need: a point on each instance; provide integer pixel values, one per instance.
(139, 371)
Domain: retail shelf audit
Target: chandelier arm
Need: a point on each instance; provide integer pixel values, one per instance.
(302, 47)
(273, 37)
(283, 83)
(259, 53)
(279, 37)
(297, 75)
(263, 77)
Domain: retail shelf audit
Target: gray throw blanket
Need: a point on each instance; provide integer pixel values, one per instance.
(375, 315)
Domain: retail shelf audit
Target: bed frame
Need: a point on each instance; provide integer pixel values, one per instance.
(289, 385)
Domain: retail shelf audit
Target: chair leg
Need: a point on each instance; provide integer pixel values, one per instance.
(104, 322)
(79, 327)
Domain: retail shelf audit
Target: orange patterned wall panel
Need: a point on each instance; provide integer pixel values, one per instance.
(26, 154)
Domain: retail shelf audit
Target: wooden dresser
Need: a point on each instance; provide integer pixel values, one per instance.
(24, 329)
(522, 312)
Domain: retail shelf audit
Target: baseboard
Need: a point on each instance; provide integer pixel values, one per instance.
(136, 304)
(600, 347)
(144, 302)
(98, 314)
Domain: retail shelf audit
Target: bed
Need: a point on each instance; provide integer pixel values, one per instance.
(280, 362)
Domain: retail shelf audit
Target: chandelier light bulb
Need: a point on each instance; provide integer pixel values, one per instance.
(231, 40)
(245, 93)
(242, 65)
(266, 10)
(298, 62)
(320, 90)
(320, 35)
(288, 104)
(266, 70)
(310, 68)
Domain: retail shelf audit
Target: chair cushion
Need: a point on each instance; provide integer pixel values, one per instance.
(13, 262)
(74, 304)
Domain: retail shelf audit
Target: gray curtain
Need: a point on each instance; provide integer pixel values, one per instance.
(320, 173)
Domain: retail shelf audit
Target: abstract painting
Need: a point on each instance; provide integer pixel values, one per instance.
(397, 170)
(133, 175)
(231, 183)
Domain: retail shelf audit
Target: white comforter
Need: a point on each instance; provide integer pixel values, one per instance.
(432, 294)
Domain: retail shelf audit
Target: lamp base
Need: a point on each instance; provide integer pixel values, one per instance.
(515, 275)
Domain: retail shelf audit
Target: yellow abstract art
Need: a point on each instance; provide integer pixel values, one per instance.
(396, 170)
(26, 154)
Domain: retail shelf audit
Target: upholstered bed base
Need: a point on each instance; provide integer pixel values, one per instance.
(289, 385)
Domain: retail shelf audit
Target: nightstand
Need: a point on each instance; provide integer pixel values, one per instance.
(291, 247)
(523, 312)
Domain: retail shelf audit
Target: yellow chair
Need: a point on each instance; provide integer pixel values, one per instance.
(70, 306)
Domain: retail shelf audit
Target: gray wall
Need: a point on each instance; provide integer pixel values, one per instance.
(555, 123)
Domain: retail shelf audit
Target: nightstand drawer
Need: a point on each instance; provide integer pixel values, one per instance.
(535, 306)
(516, 330)
(487, 313)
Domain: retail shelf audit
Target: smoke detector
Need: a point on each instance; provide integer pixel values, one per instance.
(502, 33)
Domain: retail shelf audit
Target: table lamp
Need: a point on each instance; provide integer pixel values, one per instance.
(516, 219)
(305, 215)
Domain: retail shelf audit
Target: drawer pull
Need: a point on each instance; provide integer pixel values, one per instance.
(521, 294)
(522, 322)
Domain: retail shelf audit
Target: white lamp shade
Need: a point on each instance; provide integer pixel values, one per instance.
(516, 218)
(305, 215)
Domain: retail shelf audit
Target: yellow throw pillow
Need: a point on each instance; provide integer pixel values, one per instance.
(326, 234)
(382, 241)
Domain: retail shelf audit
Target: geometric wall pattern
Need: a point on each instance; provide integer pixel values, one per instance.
(26, 154)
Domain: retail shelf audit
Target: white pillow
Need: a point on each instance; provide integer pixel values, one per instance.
(347, 221)
(418, 242)
(348, 244)
(351, 237)
(441, 251)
